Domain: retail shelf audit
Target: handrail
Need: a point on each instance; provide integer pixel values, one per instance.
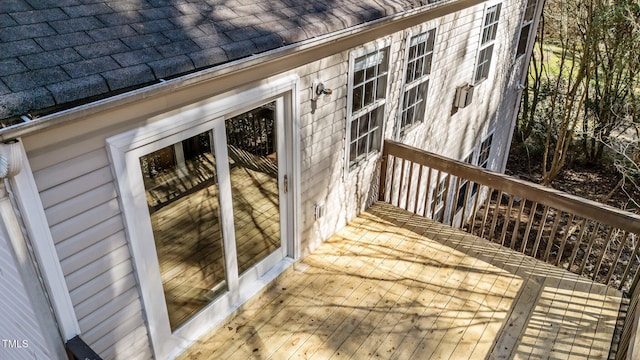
(577, 234)
(566, 202)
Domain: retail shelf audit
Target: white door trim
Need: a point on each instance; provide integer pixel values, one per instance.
(35, 221)
(125, 150)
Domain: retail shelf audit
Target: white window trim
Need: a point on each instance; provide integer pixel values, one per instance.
(482, 46)
(399, 132)
(126, 148)
(366, 49)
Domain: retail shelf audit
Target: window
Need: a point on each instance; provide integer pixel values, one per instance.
(416, 82)
(368, 90)
(525, 28)
(489, 31)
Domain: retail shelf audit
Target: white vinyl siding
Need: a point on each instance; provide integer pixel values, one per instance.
(80, 202)
(23, 325)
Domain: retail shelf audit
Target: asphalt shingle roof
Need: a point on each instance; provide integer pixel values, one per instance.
(57, 52)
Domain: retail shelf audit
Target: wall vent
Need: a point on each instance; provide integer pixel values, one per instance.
(464, 96)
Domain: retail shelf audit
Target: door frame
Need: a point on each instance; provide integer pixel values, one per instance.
(125, 150)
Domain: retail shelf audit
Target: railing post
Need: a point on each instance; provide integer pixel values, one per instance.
(383, 173)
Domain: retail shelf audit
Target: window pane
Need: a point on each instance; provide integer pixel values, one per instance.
(383, 65)
(353, 152)
(368, 93)
(357, 98)
(362, 148)
(182, 196)
(358, 77)
(363, 127)
(530, 10)
(427, 60)
(413, 51)
(381, 87)
(411, 69)
(431, 39)
(253, 174)
(523, 40)
(354, 130)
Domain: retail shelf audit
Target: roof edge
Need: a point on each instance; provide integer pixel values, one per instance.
(276, 61)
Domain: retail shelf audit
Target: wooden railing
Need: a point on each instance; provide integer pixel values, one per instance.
(576, 234)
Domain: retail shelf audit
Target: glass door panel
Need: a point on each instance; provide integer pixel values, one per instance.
(253, 170)
(182, 195)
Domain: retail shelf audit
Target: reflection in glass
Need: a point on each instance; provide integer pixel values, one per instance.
(182, 194)
(251, 144)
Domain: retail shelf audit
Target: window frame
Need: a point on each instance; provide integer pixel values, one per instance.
(528, 15)
(378, 104)
(416, 83)
(486, 43)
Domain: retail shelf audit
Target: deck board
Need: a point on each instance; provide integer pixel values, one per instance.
(392, 285)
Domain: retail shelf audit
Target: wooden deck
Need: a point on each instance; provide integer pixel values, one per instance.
(395, 285)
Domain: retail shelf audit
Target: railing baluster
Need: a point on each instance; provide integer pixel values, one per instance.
(427, 194)
(415, 201)
(552, 235)
(574, 253)
(487, 203)
(392, 184)
(543, 221)
(446, 198)
(409, 181)
(612, 269)
(495, 214)
(454, 203)
(382, 191)
(507, 220)
(400, 180)
(631, 262)
(516, 226)
(603, 253)
(434, 196)
(476, 199)
(567, 232)
(527, 231)
(464, 205)
(587, 251)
